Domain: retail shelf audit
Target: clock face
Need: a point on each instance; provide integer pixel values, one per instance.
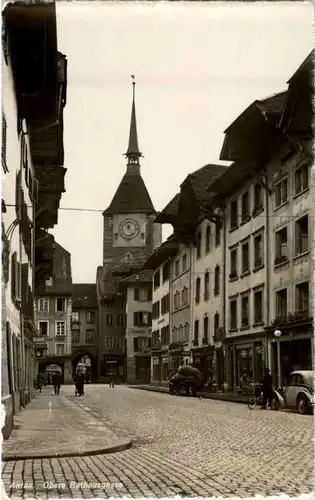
(129, 229)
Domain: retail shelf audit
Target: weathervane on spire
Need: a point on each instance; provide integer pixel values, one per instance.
(133, 78)
(133, 154)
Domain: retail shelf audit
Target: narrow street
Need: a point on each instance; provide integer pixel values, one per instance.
(191, 447)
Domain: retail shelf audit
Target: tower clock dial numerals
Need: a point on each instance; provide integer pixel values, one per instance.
(129, 229)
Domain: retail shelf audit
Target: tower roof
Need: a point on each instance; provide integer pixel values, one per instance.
(133, 148)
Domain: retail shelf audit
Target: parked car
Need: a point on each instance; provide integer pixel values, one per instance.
(187, 379)
(298, 394)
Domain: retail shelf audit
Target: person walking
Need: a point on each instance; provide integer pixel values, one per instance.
(56, 381)
(267, 389)
(40, 381)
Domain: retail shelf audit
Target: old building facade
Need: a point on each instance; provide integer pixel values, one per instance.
(130, 236)
(84, 327)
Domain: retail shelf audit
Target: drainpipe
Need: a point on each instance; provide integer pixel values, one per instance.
(268, 277)
(192, 298)
(225, 358)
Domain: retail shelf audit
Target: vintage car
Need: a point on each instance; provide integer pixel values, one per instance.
(298, 394)
(187, 379)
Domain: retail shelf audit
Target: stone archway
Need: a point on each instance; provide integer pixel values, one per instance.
(79, 357)
(47, 367)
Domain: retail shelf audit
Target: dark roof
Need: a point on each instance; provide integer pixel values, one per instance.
(50, 178)
(273, 104)
(307, 65)
(144, 276)
(84, 296)
(131, 196)
(167, 249)
(203, 177)
(171, 209)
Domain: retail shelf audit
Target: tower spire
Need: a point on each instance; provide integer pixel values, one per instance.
(133, 154)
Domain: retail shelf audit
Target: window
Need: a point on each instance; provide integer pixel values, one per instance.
(109, 342)
(165, 335)
(208, 239)
(233, 270)
(49, 282)
(166, 272)
(141, 294)
(301, 235)
(258, 307)
(233, 214)
(197, 290)
(198, 245)
(4, 144)
(216, 324)
(258, 200)
(43, 328)
(60, 327)
(180, 333)
(165, 304)
(155, 338)
(15, 278)
(177, 268)
(245, 206)
(60, 349)
(281, 193)
(186, 332)
(217, 280)
(156, 279)
(75, 316)
(174, 334)
(281, 246)
(90, 317)
(75, 336)
(43, 304)
(217, 233)
(185, 300)
(120, 320)
(245, 310)
(301, 179)
(90, 334)
(258, 250)
(156, 310)
(233, 314)
(207, 286)
(184, 263)
(281, 303)
(302, 297)
(142, 318)
(196, 332)
(245, 257)
(205, 329)
(60, 305)
(109, 320)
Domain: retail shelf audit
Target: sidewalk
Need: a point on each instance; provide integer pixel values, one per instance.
(53, 426)
(222, 396)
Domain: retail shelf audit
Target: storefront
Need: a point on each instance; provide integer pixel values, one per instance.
(113, 366)
(165, 366)
(156, 368)
(245, 356)
(143, 369)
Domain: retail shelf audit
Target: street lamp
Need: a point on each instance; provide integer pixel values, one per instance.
(277, 334)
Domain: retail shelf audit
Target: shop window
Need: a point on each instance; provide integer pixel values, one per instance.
(198, 290)
(281, 193)
(90, 317)
(208, 239)
(301, 179)
(245, 257)
(166, 272)
(217, 233)
(43, 327)
(90, 336)
(196, 332)
(301, 236)
(233, 270)
(156, 279)
(302, 298)
(177, 268)
(205, 329)
(258, 199)
(198, 244)
(233, 215)
(281, 304)
(281, 246)
(233, 314)
(207, 286)
(245, 206)
(216, 324)
(245, 311)
(217, 280)
(109, 320)
(60, 305)
(258, 307)
(184, 262)
(258, 251)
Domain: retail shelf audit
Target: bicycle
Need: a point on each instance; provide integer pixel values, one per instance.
(256, 399)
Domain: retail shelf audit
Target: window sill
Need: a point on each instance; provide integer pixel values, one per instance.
(245, 220)
(257, 212)
(300, 255)
(280, 206)
(258, 323)
(233, 330)
(279, 264)
(244, 328)
(235, 278)
(297, 195)
(258, 268)
(246, 273)
(216, 293)
(233, 229)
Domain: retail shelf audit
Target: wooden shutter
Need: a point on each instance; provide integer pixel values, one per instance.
(17, 194)
(24, 287)
(136, 319)
(149, 319)
(35, 190)
(150, 293)
(136, 294)
(13, 272)
(135, 344)
(149, 342)
(4, 144)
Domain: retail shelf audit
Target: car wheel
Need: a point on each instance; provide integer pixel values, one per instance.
(302, 405)
(275, 405)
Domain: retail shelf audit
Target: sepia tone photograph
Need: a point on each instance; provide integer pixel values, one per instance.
(158, 249)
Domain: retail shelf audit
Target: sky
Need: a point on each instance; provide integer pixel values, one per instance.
(197, 67)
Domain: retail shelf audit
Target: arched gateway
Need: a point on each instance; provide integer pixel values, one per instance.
(86, 361)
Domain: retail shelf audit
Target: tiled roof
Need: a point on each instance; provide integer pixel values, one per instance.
(144, 276)
(131, 196)
(203, 177)
(171, 209)
(307, 65)
(273, 104)
(50, 178)
(84, 295)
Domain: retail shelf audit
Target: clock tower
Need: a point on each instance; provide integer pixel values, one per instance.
(129, 230)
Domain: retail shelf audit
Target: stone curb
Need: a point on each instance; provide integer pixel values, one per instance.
(202, 395)
(122, 444)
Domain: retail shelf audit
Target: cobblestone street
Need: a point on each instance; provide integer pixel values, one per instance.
(191, 447)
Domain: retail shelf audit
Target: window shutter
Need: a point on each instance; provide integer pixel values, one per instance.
(150, 293)
(136, 294)
(17, 194)
(4, 144)
(149, 342)
(149, 319)
(135, 344)
(35, 190)
(135, 319)
(13, 274)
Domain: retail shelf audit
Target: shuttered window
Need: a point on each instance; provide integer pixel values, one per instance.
(4, 144)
